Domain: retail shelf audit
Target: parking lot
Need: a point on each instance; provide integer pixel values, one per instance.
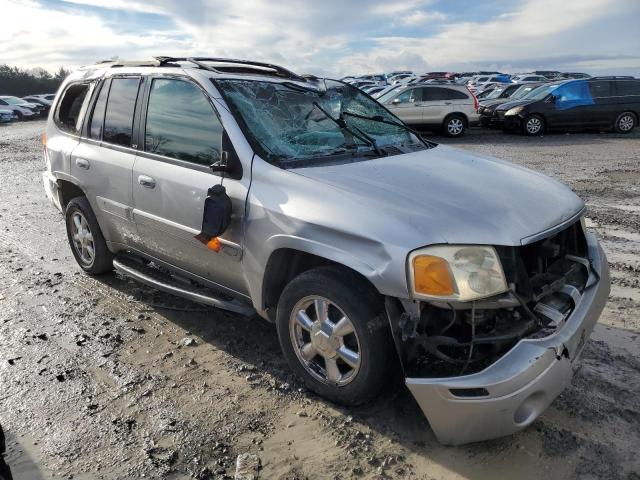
(106, 378)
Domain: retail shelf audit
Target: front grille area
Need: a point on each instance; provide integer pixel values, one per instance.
(545, 280)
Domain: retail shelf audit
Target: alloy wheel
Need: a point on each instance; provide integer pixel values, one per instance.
(455, 127)
(82, 238)
(534, 125)
(626, 123)
(325, 340)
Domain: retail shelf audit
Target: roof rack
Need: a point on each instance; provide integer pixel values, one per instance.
(199, 61)
(613, 77)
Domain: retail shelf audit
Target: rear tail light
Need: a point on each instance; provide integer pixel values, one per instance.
(475, 100)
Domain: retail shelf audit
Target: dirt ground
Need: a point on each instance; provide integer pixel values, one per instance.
(105, 378)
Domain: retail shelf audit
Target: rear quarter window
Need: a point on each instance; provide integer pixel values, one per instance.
(628, 87)
(71, 108)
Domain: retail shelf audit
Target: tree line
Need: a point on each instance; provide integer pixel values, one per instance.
(19, 82)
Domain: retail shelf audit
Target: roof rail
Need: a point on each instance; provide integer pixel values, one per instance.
(613, 77)
(200, 62)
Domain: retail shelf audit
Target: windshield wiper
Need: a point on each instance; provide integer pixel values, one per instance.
(357, 133)
(379, 119)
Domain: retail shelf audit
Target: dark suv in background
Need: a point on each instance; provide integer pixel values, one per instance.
(599, 102)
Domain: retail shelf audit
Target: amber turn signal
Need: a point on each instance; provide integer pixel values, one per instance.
(432, 276)
(214, 244)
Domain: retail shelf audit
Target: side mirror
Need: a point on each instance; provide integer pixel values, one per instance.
(552, 99)
(396, 101)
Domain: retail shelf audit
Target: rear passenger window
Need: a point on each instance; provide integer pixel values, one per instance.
(181, 123)
(72, 106)
(628, 87)
(600, 89)
(97, 118)
(439, 93)
(118, 119)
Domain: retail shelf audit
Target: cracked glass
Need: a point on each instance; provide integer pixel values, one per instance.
(290, 121)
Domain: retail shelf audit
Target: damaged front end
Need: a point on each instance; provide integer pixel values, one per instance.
(486, 368)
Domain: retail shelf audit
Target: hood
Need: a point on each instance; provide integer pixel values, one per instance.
(446, 195)
(512, 103)
(493, 102)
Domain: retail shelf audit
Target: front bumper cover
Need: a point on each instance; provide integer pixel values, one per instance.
(511, 393)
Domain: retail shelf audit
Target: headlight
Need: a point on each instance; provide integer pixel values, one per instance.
(456, 272)
(514, 110)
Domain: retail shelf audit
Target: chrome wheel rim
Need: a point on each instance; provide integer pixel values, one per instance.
(455, 126)
(325, 341)
(534, 125)
(82, 238)
(626, 123)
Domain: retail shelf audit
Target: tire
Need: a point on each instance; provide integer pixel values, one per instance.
(454, 125)
(85, 236)
(625, 122)
(325, 371)
(533, 125)
(19, 115)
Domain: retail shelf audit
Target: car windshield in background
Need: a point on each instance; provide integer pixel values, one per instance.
(524, 91)
(541, 92)
(14, 101)
(292, 122)
(495, 93)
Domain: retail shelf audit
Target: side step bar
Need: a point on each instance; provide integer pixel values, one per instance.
(153, 277)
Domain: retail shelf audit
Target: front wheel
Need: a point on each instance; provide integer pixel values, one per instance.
(533, 125)
(625, 122)
(334, 334)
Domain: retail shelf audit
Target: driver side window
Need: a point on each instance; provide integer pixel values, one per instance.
(181, 123)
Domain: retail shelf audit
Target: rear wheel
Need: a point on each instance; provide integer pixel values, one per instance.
(625, 122)
(454, 125)
(533, 125)
(334, 334)
(85, 238)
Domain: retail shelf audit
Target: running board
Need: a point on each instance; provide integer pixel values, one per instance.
(136, 269)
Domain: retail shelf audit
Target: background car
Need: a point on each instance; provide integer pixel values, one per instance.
(6, 115)
(528, 78)
(45, 105)
(387, 90)
(19, 107)
(492, 115)
(597, 102)
(450, 107)
(479, 83)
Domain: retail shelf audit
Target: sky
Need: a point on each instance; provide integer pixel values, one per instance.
(331, 37)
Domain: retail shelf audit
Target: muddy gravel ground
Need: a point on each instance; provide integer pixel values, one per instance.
(105, 378)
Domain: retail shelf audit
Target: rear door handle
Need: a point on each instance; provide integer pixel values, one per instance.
(448, 103)
(147, 182)
(82, 163)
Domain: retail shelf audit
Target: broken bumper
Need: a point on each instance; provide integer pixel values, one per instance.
(51, 189)
(511, 393)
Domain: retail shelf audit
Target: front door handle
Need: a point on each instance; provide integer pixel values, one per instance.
(147, 182)
(448, 103)
(82, 163)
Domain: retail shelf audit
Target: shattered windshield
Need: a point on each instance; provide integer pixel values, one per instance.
(292, 122)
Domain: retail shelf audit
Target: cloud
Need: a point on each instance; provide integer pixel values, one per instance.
(420, 17)
(332, 37)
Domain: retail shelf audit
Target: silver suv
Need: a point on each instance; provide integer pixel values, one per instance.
(377, 254)
(452, 107)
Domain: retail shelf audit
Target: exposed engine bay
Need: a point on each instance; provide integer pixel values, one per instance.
(545, 279)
